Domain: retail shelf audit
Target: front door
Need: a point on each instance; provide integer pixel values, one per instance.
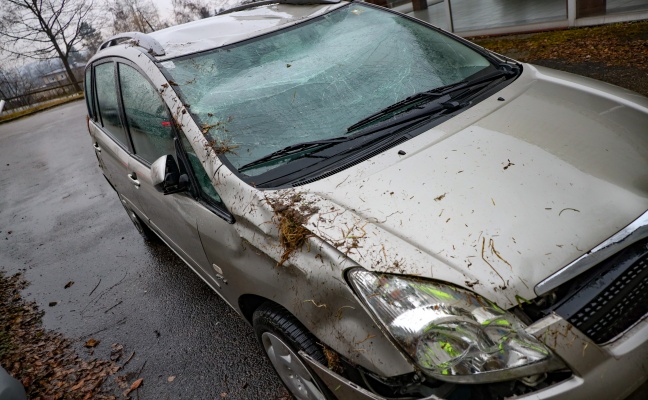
(148, 121)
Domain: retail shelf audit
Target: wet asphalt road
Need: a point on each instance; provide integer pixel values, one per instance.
(60, 221)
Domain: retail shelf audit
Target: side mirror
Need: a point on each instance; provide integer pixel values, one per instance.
(166, 177)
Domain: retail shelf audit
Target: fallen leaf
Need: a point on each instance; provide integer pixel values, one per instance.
(91, 343)
(121, 381)
(78, 385)
(134, 386)
(171, 378)
(67, 285)
(116, 352)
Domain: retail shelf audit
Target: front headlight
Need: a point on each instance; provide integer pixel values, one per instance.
(451, 333)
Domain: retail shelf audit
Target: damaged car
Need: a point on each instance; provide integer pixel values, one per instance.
(398, 212)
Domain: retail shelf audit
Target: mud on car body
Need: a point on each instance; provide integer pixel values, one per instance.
(398, 212)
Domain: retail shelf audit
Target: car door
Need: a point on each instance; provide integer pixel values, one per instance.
(173, 217)
(92, 117)
(110, 139)
(221, 242)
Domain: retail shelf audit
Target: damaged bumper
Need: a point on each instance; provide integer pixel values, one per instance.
(342, 388)
(595, 369)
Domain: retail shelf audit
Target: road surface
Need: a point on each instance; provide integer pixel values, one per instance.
(60, 221)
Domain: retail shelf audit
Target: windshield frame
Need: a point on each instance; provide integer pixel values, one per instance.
(300, 171)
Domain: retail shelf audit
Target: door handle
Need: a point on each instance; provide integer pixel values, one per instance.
(133, 178)
(96, 147)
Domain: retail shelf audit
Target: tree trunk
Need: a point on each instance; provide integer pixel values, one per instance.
(70, 74)
(62, 56)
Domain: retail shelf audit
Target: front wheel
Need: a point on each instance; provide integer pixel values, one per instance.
(282, 336)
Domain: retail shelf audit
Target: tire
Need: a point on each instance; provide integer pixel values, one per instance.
(282, 336)
(141, 227)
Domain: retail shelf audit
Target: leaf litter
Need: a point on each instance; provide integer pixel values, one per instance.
(45, 362)
(600, 52)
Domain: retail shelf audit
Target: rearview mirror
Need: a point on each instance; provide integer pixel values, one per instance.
(166, 177)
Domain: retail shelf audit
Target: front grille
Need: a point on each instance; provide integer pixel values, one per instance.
(617, 307)
(604, 301)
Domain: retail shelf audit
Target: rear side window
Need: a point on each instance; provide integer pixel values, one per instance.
(107, 102)
(146, 116)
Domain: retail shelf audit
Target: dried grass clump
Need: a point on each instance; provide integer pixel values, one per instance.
(221, 146)
(291, 216)
(332, 359)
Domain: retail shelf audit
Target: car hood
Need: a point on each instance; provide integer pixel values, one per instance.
(502, 196)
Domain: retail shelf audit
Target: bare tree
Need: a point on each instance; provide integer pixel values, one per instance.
(135, 15)
(14, 83)
(190, 10)
(227, 4)
(43, 29)
(90, 37)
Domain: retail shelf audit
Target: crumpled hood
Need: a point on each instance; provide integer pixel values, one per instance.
(502, 196)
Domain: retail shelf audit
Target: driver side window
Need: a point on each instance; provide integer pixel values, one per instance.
(146, 115)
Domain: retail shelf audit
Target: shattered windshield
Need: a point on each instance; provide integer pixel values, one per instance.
(313, 81)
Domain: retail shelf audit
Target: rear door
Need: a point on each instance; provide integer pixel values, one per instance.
(92, 118)
(110, 138)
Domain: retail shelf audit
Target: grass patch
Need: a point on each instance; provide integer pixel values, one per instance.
(613, 44)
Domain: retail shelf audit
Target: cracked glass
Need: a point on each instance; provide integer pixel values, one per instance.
(146, 116)
(312, 81)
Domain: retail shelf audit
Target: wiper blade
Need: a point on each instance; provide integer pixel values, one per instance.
(295, 148)
(315, 144)
(434, 94)
(441, 95)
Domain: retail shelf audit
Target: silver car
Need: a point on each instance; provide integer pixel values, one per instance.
(397, 212)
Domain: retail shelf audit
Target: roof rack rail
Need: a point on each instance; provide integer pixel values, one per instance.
(140, 39)
(266, 2)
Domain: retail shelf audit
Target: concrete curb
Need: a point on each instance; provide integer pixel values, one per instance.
(43, 108)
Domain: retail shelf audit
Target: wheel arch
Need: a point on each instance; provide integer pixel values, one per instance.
(248, 303)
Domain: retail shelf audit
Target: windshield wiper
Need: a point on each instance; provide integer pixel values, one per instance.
(434, 94)
(293, 149)
(319, 144)
(441, 95)
(301, 147)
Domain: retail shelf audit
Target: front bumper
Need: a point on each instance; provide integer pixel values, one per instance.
(615, 370)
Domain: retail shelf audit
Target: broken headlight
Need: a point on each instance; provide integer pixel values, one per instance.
(452, 334)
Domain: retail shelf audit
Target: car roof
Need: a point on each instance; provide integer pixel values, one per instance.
(223, 29)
